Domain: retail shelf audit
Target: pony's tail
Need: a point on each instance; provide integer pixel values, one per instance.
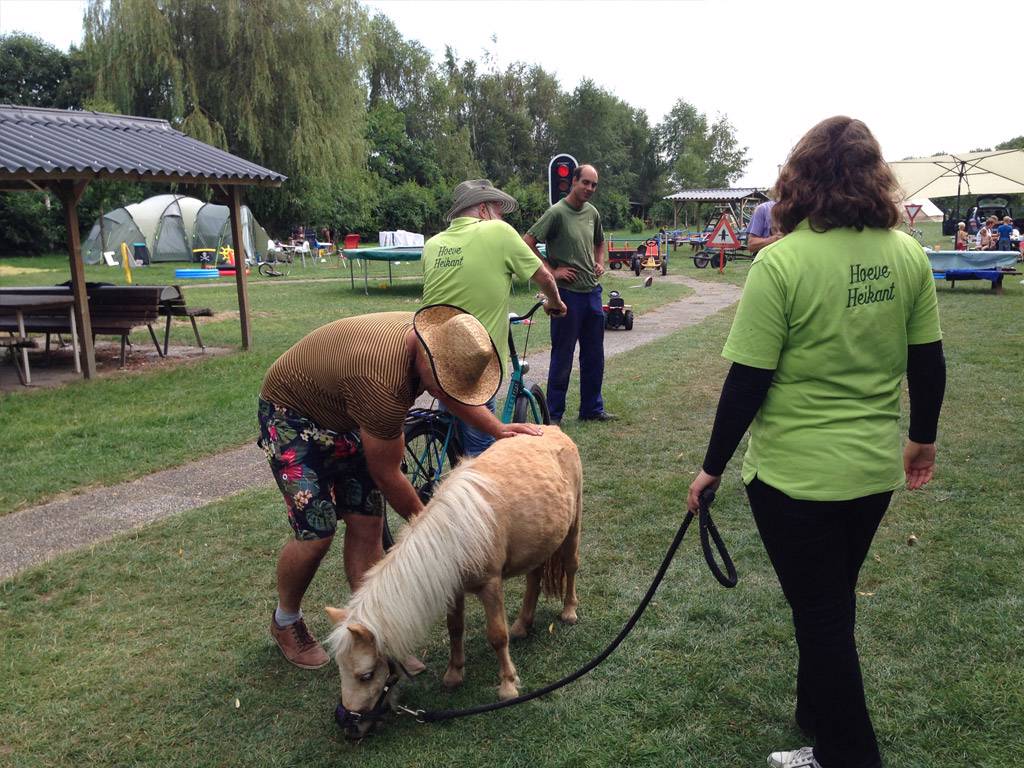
(553, 579)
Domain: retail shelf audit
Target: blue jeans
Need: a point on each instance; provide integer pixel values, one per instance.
(583, 323)
(474, 442)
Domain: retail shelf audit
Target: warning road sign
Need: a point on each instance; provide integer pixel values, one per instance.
(723, 236)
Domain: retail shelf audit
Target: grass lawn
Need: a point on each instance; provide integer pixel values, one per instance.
(126, 425)
(153, 649)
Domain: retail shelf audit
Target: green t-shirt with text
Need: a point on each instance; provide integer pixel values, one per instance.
(471, 265)
(571, 236)
(832, 313)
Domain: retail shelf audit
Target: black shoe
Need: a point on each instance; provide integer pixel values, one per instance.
(602, 416)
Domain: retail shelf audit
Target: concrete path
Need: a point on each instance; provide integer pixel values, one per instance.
(92, 516)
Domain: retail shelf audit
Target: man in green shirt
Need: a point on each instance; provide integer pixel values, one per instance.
(571, 228)
(472, 264)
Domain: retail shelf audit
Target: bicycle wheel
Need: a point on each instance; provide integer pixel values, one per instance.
(524, 410)
(427, 460)
(701, 260)
(269, 269)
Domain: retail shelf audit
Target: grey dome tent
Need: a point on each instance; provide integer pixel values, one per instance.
(171, 226)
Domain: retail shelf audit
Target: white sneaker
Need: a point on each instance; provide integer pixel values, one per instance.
(798, 758)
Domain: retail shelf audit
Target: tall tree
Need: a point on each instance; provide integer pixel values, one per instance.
(276, 81)
(35, 74)
(697, 153)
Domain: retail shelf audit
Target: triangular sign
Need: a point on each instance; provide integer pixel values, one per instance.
(723, 236)
(912, 210)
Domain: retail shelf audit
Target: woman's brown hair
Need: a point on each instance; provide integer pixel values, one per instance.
(836, 177)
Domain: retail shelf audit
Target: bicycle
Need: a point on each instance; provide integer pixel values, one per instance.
(273, 265)
(432, 445)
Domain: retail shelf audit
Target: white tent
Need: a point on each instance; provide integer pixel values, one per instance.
(929, 210)
(170, 226)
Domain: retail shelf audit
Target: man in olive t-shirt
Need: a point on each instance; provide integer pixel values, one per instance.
(571, 228)
(471, 265)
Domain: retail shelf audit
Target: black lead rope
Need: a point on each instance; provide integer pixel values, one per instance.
(708, 533)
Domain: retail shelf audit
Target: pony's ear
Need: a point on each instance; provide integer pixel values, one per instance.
(336, 615)
(361, 633)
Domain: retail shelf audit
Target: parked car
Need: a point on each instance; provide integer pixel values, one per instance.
(984, 206)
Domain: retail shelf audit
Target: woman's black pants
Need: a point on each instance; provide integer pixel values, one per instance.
(817, 549)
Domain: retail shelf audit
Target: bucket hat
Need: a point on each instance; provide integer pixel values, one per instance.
(462, 355)
(476, 191)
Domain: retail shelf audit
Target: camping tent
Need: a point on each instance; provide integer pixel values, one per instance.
(171, 226)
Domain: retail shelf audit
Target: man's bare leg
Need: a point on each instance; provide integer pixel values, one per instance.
(296, 566)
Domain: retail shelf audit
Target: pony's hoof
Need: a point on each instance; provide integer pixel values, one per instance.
(519, 631)
(452, 678)
(569, 616)
(508, 690)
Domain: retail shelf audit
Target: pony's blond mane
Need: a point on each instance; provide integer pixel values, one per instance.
(417, 580)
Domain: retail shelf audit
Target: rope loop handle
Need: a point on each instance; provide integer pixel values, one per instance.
(708, 533)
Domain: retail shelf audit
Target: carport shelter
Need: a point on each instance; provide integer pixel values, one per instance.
(740, 202)
(62, 151)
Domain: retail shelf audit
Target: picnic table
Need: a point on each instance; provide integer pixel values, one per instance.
(953, 266)
(23, 304)
(114, 309)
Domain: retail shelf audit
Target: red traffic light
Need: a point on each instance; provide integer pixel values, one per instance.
(561, 167)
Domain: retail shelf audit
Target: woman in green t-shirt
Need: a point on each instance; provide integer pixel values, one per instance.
(832, 316)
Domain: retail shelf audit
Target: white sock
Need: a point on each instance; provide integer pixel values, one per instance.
(285, 619)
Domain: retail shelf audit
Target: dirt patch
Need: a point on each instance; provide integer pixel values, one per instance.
(57, 368)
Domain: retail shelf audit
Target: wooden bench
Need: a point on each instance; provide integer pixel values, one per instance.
(995, 276)
(174, 306)
(113, 311)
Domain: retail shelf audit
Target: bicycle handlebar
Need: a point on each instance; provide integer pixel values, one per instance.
(528, 315)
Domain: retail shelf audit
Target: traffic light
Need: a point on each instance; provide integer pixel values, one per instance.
(560, 171)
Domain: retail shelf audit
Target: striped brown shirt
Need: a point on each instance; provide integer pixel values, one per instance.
(350, 374)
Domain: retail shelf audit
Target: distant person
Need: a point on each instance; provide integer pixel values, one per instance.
(571, 228)
(984, 239)
(472, 263)
(331, 411)
(962, 238)
(831, 317)
(1004, 235)
(759, 230)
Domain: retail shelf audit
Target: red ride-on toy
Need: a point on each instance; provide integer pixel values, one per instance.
(617, 313)
(648, 256)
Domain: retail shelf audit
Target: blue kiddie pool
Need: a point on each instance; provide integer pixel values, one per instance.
(195, 274)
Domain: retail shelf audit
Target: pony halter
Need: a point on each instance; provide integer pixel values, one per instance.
(349, 719)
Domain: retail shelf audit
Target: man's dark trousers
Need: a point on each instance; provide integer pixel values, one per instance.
(584, 322)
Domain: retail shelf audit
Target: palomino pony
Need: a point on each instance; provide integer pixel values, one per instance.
(516, 509)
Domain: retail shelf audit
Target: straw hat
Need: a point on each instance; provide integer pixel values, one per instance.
(462, 356)
(475, 191)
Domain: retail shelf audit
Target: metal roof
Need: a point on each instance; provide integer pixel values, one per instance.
(716, 195)
(46, 144)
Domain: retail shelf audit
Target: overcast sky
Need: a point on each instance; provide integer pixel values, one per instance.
(926, 76)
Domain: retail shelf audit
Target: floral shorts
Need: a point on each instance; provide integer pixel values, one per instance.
(318, 471)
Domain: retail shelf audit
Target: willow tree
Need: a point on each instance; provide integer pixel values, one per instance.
(275, 81)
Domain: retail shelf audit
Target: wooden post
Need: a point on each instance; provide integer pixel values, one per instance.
(240, 264)
(70, 193)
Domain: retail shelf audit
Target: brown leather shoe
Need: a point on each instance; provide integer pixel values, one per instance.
(298, 645)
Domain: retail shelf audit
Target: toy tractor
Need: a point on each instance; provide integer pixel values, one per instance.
(648, 256)
(617, 313)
